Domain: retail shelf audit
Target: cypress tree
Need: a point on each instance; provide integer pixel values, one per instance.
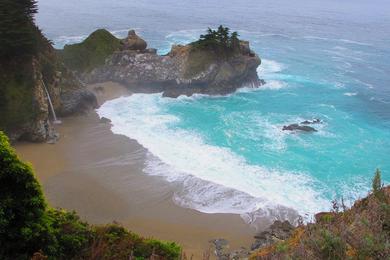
(18, 33)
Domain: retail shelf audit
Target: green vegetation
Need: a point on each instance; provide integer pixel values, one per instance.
(16, 95)
(220, 41)
(361, 232)
(23, 220)
(90, 53)
(17, 30)
(377, 185)
(215, 45)
(22, 49)
(28, 225)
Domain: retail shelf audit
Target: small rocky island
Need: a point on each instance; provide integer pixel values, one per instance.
(218, 63)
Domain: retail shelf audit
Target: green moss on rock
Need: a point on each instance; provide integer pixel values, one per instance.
(90, 53)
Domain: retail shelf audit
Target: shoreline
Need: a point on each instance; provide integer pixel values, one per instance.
(100, 176)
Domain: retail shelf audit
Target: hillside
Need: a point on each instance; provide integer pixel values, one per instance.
(361, 232)
(90, 53)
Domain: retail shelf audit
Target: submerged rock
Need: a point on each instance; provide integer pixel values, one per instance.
(294, 127)
(105, 120)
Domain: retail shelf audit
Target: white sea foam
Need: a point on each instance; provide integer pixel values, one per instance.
(184, 155)
(350, 94)
(270, 66)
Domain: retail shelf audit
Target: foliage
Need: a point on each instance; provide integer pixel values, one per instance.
(16, 94)
(21, 46)
(377, 184)
(360, 232)
(17, 30)
(27, 225)
(330, 245)
(90, 53)
(23, 221)
(220, 41)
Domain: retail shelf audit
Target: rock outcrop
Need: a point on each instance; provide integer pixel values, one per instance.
(278, 231)
(133, 42)
(24, 109)
(294, 127)
(183, 71)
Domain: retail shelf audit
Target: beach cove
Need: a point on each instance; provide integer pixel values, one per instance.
(100, 176)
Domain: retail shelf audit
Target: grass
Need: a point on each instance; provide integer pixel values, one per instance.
(90, 53)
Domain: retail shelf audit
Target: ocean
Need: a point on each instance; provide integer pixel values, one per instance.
(326, 60)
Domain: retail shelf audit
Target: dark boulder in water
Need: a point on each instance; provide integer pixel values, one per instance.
(294, 127)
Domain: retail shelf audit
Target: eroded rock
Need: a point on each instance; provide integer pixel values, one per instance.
(294, 127)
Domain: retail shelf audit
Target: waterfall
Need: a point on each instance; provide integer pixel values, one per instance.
(56, 121)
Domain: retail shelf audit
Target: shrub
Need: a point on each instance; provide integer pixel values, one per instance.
(377, 185)
(72, 235)
(24, 226)
(331, 246)
(27, 226)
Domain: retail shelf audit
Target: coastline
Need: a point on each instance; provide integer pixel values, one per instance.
(99, 175)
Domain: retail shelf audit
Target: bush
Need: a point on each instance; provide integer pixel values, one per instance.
(72, 235)
(24, 226)
(331, 246)
(28, 226)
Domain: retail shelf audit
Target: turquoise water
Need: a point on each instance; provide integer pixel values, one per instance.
(320, 60)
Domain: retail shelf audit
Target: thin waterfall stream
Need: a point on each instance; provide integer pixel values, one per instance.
(55, 121)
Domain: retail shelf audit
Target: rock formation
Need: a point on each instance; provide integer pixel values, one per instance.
(183, 71)
(24, 108)
(294, 127)
(133, 42)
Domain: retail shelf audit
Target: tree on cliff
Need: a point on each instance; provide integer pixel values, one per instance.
(18, 33)
(221, 41)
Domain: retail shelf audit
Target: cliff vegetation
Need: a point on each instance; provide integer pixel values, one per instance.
(30, 228)
(359, 232)
(92, 52)
(29, 66)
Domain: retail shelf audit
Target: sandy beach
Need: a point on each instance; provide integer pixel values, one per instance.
(100, 176)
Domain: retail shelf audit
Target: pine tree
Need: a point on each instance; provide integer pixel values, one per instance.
(377, 184)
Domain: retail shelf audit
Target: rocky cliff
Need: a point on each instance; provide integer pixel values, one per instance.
(24, 107)
(184, 70)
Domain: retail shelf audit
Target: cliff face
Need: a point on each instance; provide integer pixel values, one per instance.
(24, 105)
(184, 70)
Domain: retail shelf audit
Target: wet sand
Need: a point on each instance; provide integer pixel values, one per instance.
(99, 175)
